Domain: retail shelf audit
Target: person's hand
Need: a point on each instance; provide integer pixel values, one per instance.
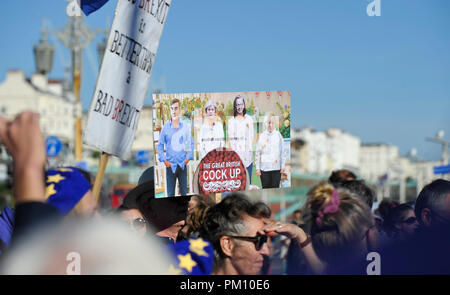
(24, 140)
(287, 229)
(186, 162)
(167, 163)
(258, 172)
(282, 171)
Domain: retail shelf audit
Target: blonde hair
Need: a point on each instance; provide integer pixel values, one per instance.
(340, 231)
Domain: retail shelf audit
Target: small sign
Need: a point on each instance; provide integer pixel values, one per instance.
(441, 169)
(221, 171)
(142, 157)
(53, 145)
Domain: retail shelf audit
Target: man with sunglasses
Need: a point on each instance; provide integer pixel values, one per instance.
(235, 229)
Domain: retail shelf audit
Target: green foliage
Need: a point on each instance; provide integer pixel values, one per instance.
(285, 122)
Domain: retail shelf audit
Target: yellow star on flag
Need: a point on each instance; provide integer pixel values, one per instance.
(50, 190)
(197, 246)
(55, 178)
(174, 271)
(186, 262)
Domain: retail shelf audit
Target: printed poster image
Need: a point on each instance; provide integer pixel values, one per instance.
(209, 143)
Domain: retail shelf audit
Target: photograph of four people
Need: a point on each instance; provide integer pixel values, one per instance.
(261, 151)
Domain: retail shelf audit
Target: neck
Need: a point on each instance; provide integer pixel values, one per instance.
(226, 268)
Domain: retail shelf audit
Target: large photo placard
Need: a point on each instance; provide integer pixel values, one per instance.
(208, 143)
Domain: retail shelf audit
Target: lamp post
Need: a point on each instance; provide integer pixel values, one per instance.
(75, 36)
(43, 54)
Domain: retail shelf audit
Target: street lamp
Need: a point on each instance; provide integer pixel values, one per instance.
(75, 36)
(439, 139)
(43, 54)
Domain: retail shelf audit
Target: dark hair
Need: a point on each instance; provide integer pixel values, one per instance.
(175, 100)
(342, 175)
(359, 188)
(261, 209)
(226, 218)
(235, 113)
(394, 214)
(385, 207)
(432, 197)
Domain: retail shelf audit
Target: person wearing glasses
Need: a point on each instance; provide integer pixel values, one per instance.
(240, 133)
(175, 149)
(235, 229)
(400, 222)
(211, 133)
(130, 211)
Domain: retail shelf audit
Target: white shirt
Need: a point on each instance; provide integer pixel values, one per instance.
(241, 138)
(210, 137)
(269, 151)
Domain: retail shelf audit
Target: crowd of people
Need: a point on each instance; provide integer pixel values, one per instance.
(56, 215)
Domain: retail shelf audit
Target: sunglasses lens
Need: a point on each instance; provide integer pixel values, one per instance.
(139, 223)
(261, 241)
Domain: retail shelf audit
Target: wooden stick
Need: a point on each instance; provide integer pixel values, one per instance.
(218, 197)
(100, 174)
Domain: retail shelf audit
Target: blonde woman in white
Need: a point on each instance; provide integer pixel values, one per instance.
(211, 133)
(240, 133)
(270, 162)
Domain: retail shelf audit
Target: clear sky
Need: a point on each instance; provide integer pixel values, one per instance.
(383, 79)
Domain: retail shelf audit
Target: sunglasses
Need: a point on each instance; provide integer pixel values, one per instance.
(258, 240)
(139, 223)
(410, 220)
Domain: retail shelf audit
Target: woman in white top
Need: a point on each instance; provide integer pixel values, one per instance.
(240, 132)
(270, 161)
(211, 133)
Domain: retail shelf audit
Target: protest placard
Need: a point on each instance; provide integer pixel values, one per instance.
(221, 142)
(124, 75)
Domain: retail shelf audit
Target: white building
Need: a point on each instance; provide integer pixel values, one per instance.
(57, 107)
(327, 151)
(143, 140)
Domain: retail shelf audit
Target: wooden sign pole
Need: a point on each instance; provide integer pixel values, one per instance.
(100, 175)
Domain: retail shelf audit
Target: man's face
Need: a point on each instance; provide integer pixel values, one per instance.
(240, 106)
(442, 216)
(175, 110)
(245, 258)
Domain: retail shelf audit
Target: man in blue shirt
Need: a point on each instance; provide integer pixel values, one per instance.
(175, 149)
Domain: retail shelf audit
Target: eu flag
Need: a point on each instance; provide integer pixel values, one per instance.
(89, 6)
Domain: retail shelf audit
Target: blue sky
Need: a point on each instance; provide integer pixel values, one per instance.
(383, 79)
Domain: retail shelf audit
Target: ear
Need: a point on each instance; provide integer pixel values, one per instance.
(425, 216)
(227, 245)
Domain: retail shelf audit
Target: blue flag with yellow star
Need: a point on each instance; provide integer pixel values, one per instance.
(193, 257)
(65, 187)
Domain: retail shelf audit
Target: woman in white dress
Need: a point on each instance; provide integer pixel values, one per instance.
(240, 132)
(270, 162)
(211, 133)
